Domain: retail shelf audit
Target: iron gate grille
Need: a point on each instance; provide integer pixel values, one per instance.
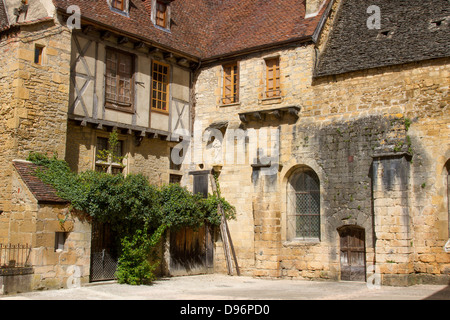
(104, 255)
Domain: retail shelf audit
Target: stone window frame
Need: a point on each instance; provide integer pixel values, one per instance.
(110, 165)
(39, 54)
(267, 78)
(291, 236)
(165, 87)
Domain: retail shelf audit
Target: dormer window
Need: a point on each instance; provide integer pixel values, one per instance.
(161, 13)
(119, 6)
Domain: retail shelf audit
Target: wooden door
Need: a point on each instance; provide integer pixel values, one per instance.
(353, 254)
(191, 251)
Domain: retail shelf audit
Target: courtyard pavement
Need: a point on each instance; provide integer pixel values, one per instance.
(223, 287)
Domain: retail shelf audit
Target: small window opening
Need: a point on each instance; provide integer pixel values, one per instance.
(60, 240)
(38, 53)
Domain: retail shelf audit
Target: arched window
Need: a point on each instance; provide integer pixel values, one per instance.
(303, 205)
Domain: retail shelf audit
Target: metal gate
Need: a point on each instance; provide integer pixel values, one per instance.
(104, 255)
(353, 253)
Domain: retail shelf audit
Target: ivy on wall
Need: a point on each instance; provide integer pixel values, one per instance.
(138, 212)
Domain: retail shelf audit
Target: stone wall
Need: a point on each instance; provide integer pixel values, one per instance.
(150, 157)
(345, 122)
(35, 224)
(34, 98)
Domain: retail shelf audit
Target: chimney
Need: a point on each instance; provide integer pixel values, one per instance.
(313, 7)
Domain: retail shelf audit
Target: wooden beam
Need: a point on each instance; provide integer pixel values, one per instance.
(105, 34)
(122, 40)
(139, 45)
(87, 29)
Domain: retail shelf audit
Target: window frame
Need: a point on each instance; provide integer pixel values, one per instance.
(155, 14)
(39, 54)
(165, 86)
(275, 89)
(116, 104)
(232, 85)
(314, 235)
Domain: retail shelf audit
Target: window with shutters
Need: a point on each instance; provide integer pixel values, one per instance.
(119, 80)
(230, 83)
(161, 14)
(273, 84)
(160, 87)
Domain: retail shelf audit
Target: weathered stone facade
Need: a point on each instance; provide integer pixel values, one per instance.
(364, 112)
(32, 95)
(35, 221)
(377, 140)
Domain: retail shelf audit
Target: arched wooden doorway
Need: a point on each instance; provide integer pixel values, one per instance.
(352, 253)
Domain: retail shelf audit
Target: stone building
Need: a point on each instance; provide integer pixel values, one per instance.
(326, 120)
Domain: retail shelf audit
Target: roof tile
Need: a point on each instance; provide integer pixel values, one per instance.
(43, 192)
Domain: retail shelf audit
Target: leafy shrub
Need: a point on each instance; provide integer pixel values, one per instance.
(132, 206)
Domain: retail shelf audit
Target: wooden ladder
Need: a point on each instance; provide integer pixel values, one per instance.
(228, 247)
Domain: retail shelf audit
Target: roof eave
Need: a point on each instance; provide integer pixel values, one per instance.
(265, 47)
(133, 36)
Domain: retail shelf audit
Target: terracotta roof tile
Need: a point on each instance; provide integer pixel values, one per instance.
(43, 192)
(208, 28)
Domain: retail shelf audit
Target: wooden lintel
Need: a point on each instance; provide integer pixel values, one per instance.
(105, 34)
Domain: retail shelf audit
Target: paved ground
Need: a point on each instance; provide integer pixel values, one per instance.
(222, 287)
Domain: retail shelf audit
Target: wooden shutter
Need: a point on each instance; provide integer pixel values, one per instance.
(230, 83)
(161, 14)
(273, 78)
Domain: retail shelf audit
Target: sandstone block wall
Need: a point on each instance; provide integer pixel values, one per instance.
(345, 122)
(33, 100)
